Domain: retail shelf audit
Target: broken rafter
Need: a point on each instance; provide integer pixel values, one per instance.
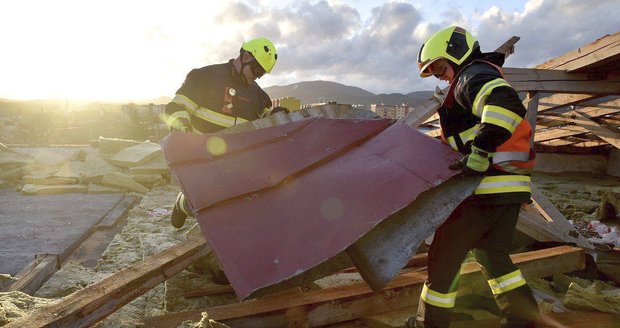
(93, 303)
(599, 110)
(344, 303)
(601, 131)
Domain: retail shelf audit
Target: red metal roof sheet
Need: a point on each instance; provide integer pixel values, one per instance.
(287, 198)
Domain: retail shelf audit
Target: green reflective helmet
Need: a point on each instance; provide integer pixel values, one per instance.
(263, 51)
(453, 43)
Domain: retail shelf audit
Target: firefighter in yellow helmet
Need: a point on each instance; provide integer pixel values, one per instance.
(218, 96)
(483, 118)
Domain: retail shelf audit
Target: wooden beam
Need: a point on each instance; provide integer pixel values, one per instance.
(595, 54)
(602, 86)
(513, 74)
(603, 132)
(424, 111)
(552, 224)
(560, 132)
(96, 301)
(559, 100)
(574, 143)
(345, 303)
(606, 108)
(33, 276)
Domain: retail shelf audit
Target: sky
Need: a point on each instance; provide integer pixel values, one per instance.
(131, 50)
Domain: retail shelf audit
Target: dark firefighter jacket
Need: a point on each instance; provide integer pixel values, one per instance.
(213, 98)
(482, 109)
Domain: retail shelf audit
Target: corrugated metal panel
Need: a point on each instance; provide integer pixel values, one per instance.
(303, 192)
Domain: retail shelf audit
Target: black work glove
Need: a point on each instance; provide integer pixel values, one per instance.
(278, 109)
(476, 163)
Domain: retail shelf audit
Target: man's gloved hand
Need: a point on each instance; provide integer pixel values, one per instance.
(278, 109)
(475, 163)
(181, 124)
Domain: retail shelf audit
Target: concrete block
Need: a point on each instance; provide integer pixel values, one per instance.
(45, 177)
(120, 180)
(95, 188)
(91, 169)
(114, 145)
(558, 163)
(31, 189)
(11, 160)
(157, 165)
(136, 155)
(613, 163)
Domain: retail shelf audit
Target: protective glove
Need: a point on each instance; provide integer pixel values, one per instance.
(181, 124)
(278, 109)
(476, 163)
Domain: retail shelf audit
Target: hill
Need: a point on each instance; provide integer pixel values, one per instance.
(325, 91)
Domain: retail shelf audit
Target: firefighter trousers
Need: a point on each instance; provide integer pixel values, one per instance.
(486, 230)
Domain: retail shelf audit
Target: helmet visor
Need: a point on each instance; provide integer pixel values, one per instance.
(255, 66)
(436, 67)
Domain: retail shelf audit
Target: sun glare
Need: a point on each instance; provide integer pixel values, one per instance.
(102, 50)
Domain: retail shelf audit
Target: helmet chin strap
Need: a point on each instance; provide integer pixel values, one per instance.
(243, 78)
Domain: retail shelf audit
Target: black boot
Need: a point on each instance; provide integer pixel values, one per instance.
(179, 214)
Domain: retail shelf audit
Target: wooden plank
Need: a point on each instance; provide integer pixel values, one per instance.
(344, 303)
(96, 301)
(117, 213)
(425, 110)
(607, 108)
(558, 100)
(574, 143)
(561, 229)
(33, 276)
(212, 289)
(513, 74)
(559, 132)
(603, 86)
(605, 133)
(531, 103)
(591, 55)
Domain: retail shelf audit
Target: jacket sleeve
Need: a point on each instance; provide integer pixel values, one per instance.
(178, 111)
(264, 103)
(497, 105)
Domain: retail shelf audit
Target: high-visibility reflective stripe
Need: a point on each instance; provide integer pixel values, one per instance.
(505, 156)
(206, 114)
(181, 202)
(185, 102)
(484, 92)
(173, 120)
(507, 282)
(438, 299)
(504, 183)
(218, 118)
(508, 167)
(465, 136)
(501, 116)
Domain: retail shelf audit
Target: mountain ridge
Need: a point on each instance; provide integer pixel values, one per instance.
(319, 91)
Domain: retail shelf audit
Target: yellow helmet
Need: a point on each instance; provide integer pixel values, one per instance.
(453, 43)
(263, 51)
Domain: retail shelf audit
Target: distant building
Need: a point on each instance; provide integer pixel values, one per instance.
(390, 111)
(291, 103)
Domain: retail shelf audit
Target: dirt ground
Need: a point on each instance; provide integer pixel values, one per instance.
(148, 231)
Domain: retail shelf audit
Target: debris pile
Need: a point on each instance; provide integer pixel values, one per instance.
(117, 166)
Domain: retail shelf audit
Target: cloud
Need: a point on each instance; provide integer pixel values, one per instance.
(329, 41)
(548, 28)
